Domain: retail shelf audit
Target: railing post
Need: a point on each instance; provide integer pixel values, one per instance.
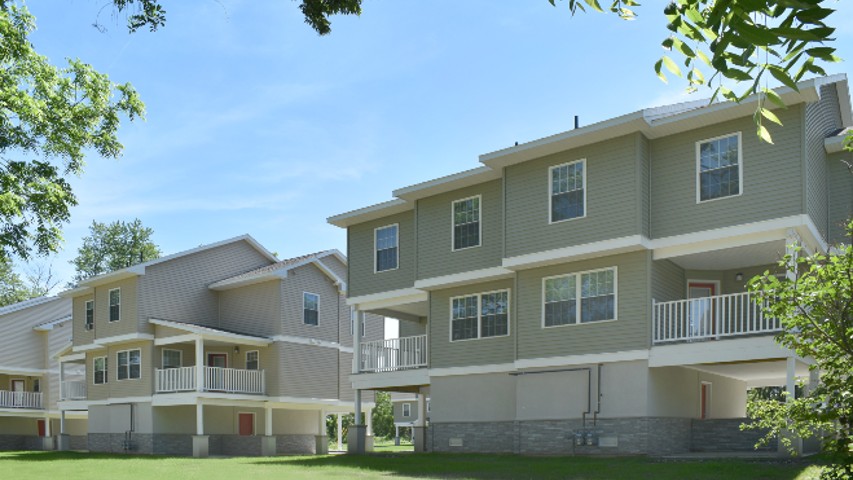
(199, 365)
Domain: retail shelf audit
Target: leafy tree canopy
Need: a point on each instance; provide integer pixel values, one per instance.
(12, 288)
(49, 116)
(816, 311)
(114, 246)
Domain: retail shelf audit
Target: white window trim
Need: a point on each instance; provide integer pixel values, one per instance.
(453, 223)
(207, 355)
(739, 167)
(106, 370)
(254, 423)
(17, 379)
(479, 296)
(407, 412)
(303, 309)
(128, 364)
(578, 312)
(375, 230)
(551, 191)
(246, 359)
(716, 284)
(110, 305)
(86, 325)
(163, 357)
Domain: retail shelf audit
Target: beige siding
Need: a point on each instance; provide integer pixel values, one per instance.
(57, 339)
(339, 268)
(114, 388)
(127, 323)
(20, 345)
(304, 371)
(772, 178)
(822, 119)
(346, 393)
(611, 198)
(253, 309)
(668, 281)
(644, 165)
(413, 410)
(482, 351)
(187, 354)
(309, 279)
(629, 332)
(435, 227)
(410, 329)
(81, 335)
(360, 256)
(841, 198)
(178, 289)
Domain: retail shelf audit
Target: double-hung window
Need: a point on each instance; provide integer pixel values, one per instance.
(719, 170)
(115, 304)
(129, 364)
(479, 316)
(310, 309)
(407, 410)
(386, 245)
(172, 358)
(90, 315)
(466, 223)
(99, 368)
(579, 298)
(567, 191)
(252, 360)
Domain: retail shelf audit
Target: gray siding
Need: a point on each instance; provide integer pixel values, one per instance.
(307, 371)
(81, 336)
(398, 411)
(772, 178)
(253, 309)
(611, 199)
(178, 289)
(410, 329)
(115, 388)
(360, 256)
(57, 339)
(628, 332)
(822, 118)
(644, 165)
(482, 351)
(668, 281)
(128, 307)
(20, 345)
(435, 237)
(311, 280)
(841, 198)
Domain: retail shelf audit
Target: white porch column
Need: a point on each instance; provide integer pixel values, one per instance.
(356, 434)
(62, 422)
(268, 441)
(61, 381)
(418, 427)
(356, 341)
(421, 410)
(340, 431)
(201, 441)
(791, 387)
(322, 440)
(368, 416)
(267, 419)
(199, 365)
(357, 414)
(199, 418)
(64, 441)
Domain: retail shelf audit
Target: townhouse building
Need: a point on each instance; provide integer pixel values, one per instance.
(585, 292)
(32, 333)
(222, 349)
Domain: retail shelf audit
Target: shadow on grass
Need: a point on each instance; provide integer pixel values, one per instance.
(477, 466)
(53, 456)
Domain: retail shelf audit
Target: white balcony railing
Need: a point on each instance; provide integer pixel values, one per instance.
(72, 390)
(394, 354)
(214, 379)
(708, 318)
(9, 399)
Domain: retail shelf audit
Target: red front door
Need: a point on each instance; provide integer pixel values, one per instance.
(247, 423)
(217, 360)
(702, 317)
(42, 429)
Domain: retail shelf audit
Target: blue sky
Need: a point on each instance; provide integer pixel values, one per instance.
(257, 125)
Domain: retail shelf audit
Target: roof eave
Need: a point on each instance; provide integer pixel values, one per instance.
(373, 212)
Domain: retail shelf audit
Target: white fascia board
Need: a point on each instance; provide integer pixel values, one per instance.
(312, 342)
(835, 144)
(188, 338)
(720, 351)
(448, 183)
(48, 326)
(100, 343)
(593, 358)
(338, 281)
(76, 292)
(22, 412)
(231, 283)
(401, 378)
(464, 278)
(388, 299)
(84, 404)
(300, 403)
(10, 370)
(372, 212)
(585, 251)
(472, 370)
(207, 333)
(75, 357)
(811, 236)
(208, 398)
(25, 304)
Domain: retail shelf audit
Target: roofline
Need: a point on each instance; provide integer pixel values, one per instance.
(281, 273)
(48, 326)
(447, 183)
(371, 212)
(32, 302)
(203, 330)
(139, 269)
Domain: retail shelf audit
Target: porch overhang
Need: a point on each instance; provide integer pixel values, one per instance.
(195, 332)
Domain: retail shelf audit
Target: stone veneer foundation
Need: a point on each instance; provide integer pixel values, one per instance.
(181, 444)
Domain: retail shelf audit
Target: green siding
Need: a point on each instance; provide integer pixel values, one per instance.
(668, 281)
(611, 199)
(435, 225)
(482, 351)
(841, 198)
(822, 119)
(643, 175)
(772, 178)
(362, 279)
(628, 332)
(253, 309)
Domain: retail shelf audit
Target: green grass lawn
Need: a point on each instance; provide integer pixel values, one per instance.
(73, 465)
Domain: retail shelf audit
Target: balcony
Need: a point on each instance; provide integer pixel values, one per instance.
(10, 399)
(394, 354)
(73, 390)
(214, 379)
(709, 318)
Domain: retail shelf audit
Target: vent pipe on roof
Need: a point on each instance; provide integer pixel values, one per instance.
(577, 122)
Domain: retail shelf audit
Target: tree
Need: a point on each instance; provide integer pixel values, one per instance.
(12, 288)
(816, 312)
(114, 246)
(55, 114)
(383, 415)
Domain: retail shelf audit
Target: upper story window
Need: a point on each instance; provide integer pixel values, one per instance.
(310, 308)
(407, 409)
(172, 358)
(115, 304)
(252, 360)
(99, 368)
(567, 189)
(466, 223)
(579, 298)
(718, 164)
(90, 315)
(386, 245)
(129, 364)
(479, 316)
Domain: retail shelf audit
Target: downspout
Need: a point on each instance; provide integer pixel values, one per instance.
(598, 395)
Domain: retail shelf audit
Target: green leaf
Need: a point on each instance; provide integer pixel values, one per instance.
(783, 77)
(738, 75)
(671, 66)
(658, 71)
(764, 135)
(773, 97)
(770, 116)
